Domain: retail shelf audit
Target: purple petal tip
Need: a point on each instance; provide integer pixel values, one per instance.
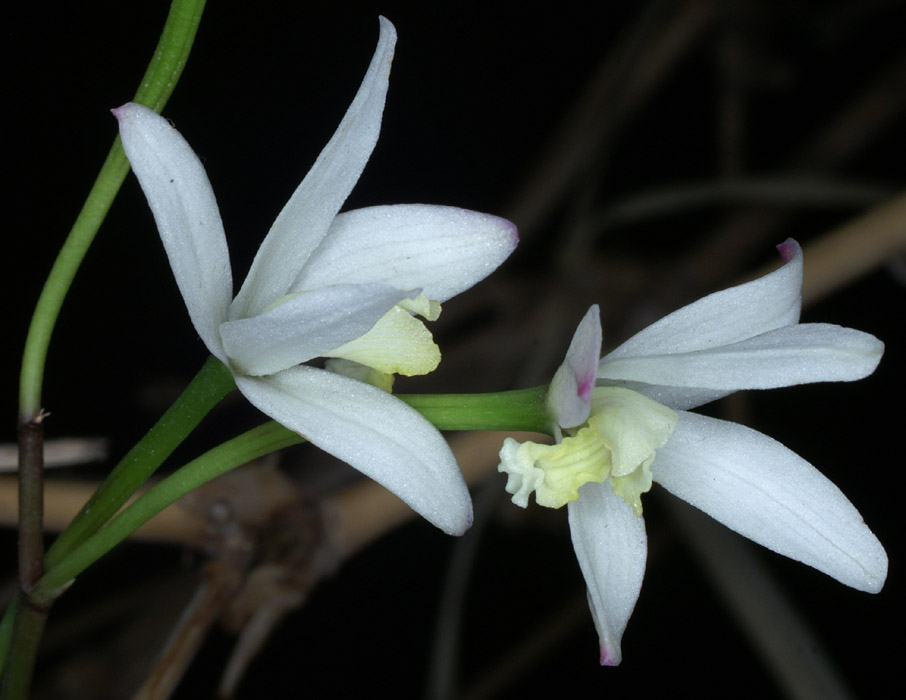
(788, 249)
(607, 659)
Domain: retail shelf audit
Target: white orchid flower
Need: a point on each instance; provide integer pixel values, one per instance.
(327, 285)
(621, 423)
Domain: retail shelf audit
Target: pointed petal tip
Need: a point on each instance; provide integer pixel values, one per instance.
(387, 34)
(513, 231)
(789, 249)
(455, 517)
(124, 111)
(463, 526)
(386, 24)
(495, 229)
(874, 571)
(610, 657)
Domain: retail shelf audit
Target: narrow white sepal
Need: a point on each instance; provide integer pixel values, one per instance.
(307, 215)
(762, 490)
(787, 356)
(372, 431)
(441, 250)
(728, 316)
(185, 210)
(569, 395)
(677, 398)
(612, 548)
(306, 326)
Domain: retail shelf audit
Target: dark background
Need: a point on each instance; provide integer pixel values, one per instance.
(477, 93)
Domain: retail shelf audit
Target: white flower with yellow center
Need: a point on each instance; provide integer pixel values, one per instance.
(621, 423)
(324, 284)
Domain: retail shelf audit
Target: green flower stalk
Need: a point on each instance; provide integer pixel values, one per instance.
(155, 89)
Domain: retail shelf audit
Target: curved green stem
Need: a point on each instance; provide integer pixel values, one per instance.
(210, 385)
(85, 541)
(155, 89)
(509, 410)
(255, 443)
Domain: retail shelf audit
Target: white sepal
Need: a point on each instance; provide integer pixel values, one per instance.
(440, 250)
(185, 210)
(308, 214)
(725, 317)
(787, 356)
(611, 546)
(757, 487)
(374, 432)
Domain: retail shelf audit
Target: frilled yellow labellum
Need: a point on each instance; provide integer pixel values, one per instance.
(619, 440)
(554, 472)
(398, 343)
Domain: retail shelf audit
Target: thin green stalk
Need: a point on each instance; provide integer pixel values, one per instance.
(250, 445)
(511, 410)
(27, 628)
(6, 631)
(209, 386)
(521, 409)
(155, 89)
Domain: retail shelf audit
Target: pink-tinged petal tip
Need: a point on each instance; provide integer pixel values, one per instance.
(788, 249)
(609, 659)
(123, 111)
(514, 232)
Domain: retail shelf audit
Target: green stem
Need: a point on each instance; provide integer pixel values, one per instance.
(27, 625)
(209, 386)
(510, 410)
(171, 54)
(155, 89)
(255, 443)
(521, 409)
(6, 631)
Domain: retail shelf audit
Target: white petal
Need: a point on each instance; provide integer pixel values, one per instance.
(612, 548)
(787, 356)
(724, 317)
(374, 432)
(759, 488)
(677, 398)
(309, 212)
(569, 396)
(305, 326)
(442, 250)
(184, 207)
